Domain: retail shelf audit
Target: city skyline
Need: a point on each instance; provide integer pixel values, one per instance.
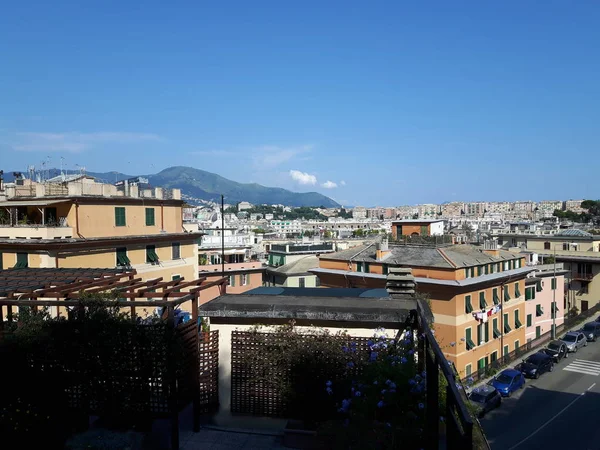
(377, 104)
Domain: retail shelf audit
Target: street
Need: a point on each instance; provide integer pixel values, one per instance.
(559, 410)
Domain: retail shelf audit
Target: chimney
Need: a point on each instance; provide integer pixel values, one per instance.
(491, 248)
(382, 249)
(400, 282)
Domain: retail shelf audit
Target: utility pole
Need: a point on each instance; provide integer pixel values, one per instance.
(222, 235)
(553, 284)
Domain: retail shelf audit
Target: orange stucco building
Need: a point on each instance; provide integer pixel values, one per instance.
(477, 296)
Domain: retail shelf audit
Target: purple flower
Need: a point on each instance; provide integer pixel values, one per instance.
(350, 364)
(370, 343)
(403, 360)
(357, 394)
(392, 385)
(389, 425)
(392, 342)
(383, 391)
(345, 349)
(411, 352)
(373, 356)
(452, 344)
(412, 382)
(388, 381)
(329, 390)
(423, 374)
(381, 404)
(392, 391)
(421, 406)
(328, 383)
(375, 382)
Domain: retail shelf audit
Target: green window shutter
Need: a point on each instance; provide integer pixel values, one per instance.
(120, 220)
(149, 217)
(467, 273)
(482, 303)
(359, 267)
(122, 259)
(553, 283)
(1, 262)
(538, 286)
(479, 334)
(468, 306)
(507, 327)
(479, 271)
(487, 269)
(495, 296)
(385, 269)
(538, 331)
(527, 294)
(495, 329)
(487, 331)
(539, 311)
(232, 280)
(517, 291)
(506, 294)
(529, 320)
(517, 321)
(22, 261)
(367, 267)
(469, 341)
(151, 256)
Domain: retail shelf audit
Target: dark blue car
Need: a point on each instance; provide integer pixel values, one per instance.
(508, 381)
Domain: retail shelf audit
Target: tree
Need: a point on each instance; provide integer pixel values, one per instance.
(358, 233)
(327, 234)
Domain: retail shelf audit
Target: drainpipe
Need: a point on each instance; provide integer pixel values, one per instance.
(162, 217)
(77, 218)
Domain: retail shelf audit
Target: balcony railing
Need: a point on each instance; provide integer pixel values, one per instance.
(582, 276)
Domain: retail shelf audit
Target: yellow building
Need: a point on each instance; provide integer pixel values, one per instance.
(83, 224)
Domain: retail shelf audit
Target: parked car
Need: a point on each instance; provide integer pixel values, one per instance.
(591, 331)
(485, 398)
(536, 364)
(574, 340)
(508, 381)
(557, 350)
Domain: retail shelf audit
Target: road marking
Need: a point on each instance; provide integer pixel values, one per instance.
(591, 386)
(544, 425)
(585, 367)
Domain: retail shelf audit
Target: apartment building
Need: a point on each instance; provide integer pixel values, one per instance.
(545, 305)
(454, 209)
(428, 210)
(359, 212)
(79, 223)
(228, 253)
(285, 227)
(498, 207)
(417, 227)
(475, 209)
(574, 206)
(477, 296)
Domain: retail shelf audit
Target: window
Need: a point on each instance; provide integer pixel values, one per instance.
(384, 269)
(554, 310)
(506, 350)
(518, 323)
(506, 294)
(517, 291)
(469, 341)
(467, 272)
(495, 329)
(122, 259)
(149, 217)
(487, 331)
(487, 269)
(359, 267)
(529, 320)
(565, 246)
(22, 262)
(507, 328)
(301, 282)
(120, 217)
(243, 279)
(553, 283)
(232, 280)
(176, 250)
(468, 306)
(479, 271)
(538, 286)
(367, 267)
(151, 256)
(584, 305)
(481, 364)
(538, 331)
(546, 245)
(468, 369)
(539, 311)
(480, 334)
(482, 303)
(494, 357)
(495, 296)
(517, 345)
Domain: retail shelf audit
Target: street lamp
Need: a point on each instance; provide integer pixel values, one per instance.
(553, 284)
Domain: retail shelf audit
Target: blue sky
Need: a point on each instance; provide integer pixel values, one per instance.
(372, 103)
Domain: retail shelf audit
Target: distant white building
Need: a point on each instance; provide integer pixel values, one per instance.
(244, 205)
(359, 212)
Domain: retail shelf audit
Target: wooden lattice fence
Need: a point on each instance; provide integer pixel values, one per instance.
(251, 396)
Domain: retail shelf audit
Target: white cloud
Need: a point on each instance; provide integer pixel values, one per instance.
(342, 183)
(215, 153)
(329, 185)
(303, 177)
(270, 156)
(75, 142)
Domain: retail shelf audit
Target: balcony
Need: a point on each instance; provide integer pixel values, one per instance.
(582, 276)
(236, 240)
(55, 230)
(248, 265)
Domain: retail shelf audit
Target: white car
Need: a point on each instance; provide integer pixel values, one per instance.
(574, 340)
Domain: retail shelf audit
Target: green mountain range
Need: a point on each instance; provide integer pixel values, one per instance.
(205, 185)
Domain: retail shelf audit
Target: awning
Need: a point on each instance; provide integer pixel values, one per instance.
(16, 204)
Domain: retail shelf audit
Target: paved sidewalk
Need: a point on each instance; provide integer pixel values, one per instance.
(225, 439)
